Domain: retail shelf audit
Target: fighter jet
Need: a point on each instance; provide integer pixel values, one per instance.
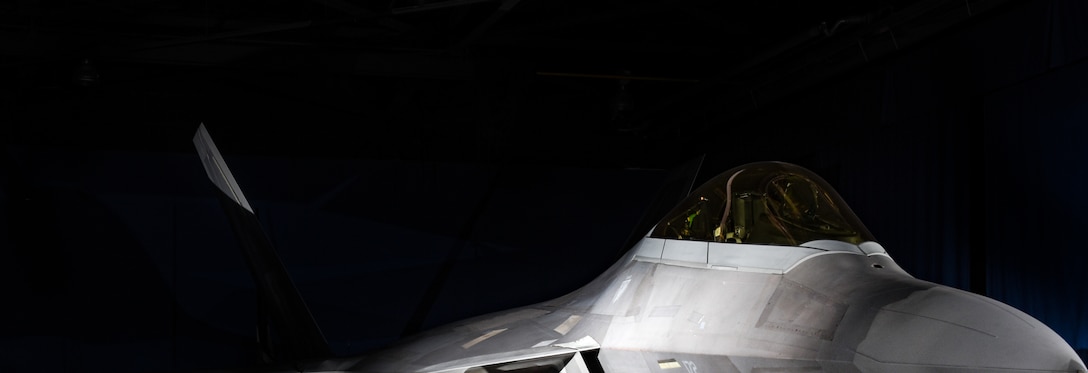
(764, 268)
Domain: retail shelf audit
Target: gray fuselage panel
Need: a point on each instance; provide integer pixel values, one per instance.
(838, 311)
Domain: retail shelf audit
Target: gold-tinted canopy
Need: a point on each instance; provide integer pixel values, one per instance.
(764, 203)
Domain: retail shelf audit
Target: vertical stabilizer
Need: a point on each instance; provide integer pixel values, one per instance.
(287, 331)
(217, 169)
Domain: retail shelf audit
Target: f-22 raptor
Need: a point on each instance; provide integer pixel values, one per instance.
(763, 268)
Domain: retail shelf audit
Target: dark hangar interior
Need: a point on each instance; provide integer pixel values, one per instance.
(417, 162)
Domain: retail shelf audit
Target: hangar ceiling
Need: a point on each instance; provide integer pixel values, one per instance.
(609, 83)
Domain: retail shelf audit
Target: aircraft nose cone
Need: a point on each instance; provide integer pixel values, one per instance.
(946, 327)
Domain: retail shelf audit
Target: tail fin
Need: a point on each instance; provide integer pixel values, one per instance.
(286, 329)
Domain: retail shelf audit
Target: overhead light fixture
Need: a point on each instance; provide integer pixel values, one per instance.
(85, 75)
(622, 104)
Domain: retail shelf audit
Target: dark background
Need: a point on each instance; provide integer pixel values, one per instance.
(515, 145)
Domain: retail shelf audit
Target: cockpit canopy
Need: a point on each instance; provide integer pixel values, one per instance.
(764, 203)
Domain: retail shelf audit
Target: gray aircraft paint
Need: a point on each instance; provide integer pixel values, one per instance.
(840, 312)
(693, 306)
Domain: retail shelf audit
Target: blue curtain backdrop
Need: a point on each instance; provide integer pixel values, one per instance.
(971, 163)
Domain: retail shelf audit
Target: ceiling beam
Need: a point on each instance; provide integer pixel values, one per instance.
(222, 35)
(486, 24)
(363, 13)
(770, 76)
(435, 6)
